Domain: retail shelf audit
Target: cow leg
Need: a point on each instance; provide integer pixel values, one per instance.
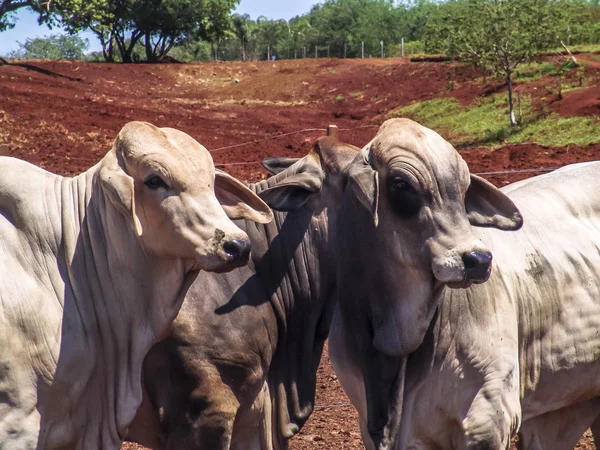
(558, 430)
(348, 374)
(494, 415)
(253, 427)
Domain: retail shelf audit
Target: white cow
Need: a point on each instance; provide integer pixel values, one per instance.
(93, 270)
(522, 348)
(408, 213)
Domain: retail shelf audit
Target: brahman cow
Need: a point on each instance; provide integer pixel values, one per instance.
(522, 348)
(239, 370)
(267, 323)
(94, 269)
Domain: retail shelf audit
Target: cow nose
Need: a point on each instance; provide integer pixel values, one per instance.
(477, 265)
(237, 248)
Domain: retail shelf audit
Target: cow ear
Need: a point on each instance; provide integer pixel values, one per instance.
(364, 183)
(119, 187)
(238, 201)
(294, 190)
(276, 164)
(487, 206)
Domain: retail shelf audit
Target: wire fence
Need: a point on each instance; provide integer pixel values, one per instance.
(332, 130)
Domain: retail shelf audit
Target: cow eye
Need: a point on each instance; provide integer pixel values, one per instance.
(155, 182)
(405, 200)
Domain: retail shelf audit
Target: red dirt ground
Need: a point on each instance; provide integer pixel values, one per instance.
(64, 116)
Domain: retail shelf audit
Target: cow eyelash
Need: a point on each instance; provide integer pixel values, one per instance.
(155, 182)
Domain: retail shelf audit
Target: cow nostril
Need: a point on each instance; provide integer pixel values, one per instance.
(477, 264)
(237, 248)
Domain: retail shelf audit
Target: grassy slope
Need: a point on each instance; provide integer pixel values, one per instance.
(485, 123)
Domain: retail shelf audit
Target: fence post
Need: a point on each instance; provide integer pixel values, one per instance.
(381, 45)
(268, 53)
(295, 54)
(344, 50)
(402, 48)
(328, 50)
(362, 50)
(316, 52)
(332, 130)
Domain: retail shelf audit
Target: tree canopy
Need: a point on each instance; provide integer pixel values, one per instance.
(130, 29)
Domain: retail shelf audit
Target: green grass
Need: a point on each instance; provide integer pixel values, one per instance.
(534, 71)
(486, 123)
(556, 131)
(585, 48)
(339, 98)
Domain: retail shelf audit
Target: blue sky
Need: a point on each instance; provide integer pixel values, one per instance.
(27, 26)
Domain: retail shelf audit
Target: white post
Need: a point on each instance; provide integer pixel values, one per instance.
(268, 53)
(316, 52)
(362, 50)
(381, 45)
(402, 47)
(332, 130)
(344, 50)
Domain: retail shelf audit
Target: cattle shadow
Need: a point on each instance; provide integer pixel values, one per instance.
(270, 268)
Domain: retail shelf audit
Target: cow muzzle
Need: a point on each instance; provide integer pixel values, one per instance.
(459, 268)
(237, 251)
(478, 265)
(225, 252)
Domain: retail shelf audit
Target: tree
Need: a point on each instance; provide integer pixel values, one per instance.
(243, 28)
(52, 47)
(161, 23)
(501, 34)
(9, 7)
(269, 32)
(300, 34)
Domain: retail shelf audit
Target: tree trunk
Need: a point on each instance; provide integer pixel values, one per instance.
(148, 45)
(511, 108)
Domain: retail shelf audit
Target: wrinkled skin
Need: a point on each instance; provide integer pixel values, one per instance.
(520, 352)
(99, 265)
(409, 210)
(239, 369)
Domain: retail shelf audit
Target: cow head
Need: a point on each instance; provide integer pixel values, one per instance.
(421, 202)
(165, 183)
(319, 177)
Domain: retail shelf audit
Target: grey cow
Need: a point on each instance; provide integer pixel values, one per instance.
(517, 353)
(239, 370)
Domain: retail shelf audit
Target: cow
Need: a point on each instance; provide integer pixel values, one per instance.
(409, 237)
(253, 388)
(517, 353)
(239, 368)
(94, 269)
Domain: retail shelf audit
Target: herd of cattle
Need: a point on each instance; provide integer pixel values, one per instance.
(458, 314)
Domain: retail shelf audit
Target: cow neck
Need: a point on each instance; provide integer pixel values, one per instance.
(288, 263)
(117, 301)
(296, 270)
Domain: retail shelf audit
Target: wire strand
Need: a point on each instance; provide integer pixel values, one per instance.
(276, 136)
(541, 169)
